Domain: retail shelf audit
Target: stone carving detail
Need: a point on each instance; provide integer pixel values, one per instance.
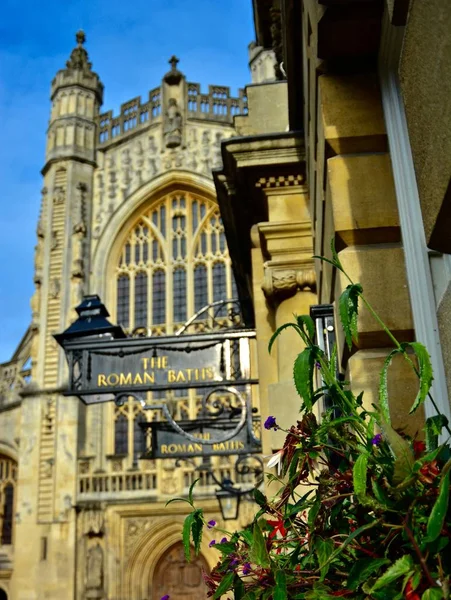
(283, 283)
(79, 57)
(35, 304)
(79, 230)
(94, 572)
(93, 521)
(135, 529)
(136, 162)
(59, 195)
(172, 125)
(54, 240)
(79, 209)
(55, 288)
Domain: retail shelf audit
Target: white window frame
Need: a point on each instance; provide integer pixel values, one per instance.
(417, 254)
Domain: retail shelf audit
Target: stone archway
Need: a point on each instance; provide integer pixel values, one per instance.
(180, 579)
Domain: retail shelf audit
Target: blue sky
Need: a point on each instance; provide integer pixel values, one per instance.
(129, 45)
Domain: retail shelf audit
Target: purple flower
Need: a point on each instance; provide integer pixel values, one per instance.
(212, 543)
(211, 524)
(377, 439)
(223, 541)
(270, 423)
(247, 568)
(233, 562)
(165, 597)
(318, 365)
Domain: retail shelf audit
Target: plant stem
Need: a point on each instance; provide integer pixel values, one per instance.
(421, 558)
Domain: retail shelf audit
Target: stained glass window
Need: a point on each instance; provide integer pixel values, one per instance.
(123, 300)
(121, 434)
(179, 299)
(141, 300)
(159, 297)
(200, 287)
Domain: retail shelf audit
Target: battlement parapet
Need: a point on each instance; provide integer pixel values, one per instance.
(217, 106)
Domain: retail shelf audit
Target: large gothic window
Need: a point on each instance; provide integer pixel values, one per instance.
(8, 477)
(173, 262)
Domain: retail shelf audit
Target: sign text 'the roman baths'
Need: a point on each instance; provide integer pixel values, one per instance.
(150, 365)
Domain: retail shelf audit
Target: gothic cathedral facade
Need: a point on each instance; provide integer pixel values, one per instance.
(128, 212)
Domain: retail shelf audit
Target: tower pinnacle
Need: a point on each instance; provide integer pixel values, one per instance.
(173, 76)
(79, 57)
(80, 37)
(173, 61)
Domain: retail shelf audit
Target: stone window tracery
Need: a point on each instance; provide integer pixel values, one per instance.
(173, 262)
(8, 478)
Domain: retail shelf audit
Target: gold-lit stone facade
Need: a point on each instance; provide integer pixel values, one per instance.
(332, 140)
(128, 211)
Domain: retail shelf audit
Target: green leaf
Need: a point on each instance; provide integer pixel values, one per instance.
(177, 500)
(348, 308)
(432, 594)
(335, 254)
(258, 553)
(280, 590)
(359, 473)
(193, 525)
(380, 494)
(197, 528)
(303, 375)
(279, 331)
(383, 387)
(305, 322)
(351, 537)
(363, 569)
(402, 452)
(260, 498)
(238, 588)
(324, 549)
(313, 512)
(226, 548)
(425, 373)
(187, 535)
(402, 566)
(247, 535)
(324, 259)
(438, 512)
(225, 585)
(433, 428)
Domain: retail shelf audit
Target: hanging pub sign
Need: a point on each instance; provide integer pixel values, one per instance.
(100, 369)
(205, 439)
(106, 365)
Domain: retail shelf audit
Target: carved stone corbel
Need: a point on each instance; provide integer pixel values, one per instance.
(281, 282)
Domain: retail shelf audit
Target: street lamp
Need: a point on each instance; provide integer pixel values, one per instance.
(92, 324)
(229, 499)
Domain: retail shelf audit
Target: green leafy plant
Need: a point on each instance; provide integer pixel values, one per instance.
(362, 511)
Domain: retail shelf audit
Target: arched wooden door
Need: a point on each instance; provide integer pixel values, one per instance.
(180, 579)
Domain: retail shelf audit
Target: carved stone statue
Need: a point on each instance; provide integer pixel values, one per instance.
(78, 213)
(35, 304)
(172, 125)
(94, 572)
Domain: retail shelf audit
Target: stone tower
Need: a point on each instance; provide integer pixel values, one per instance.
(45, 514)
